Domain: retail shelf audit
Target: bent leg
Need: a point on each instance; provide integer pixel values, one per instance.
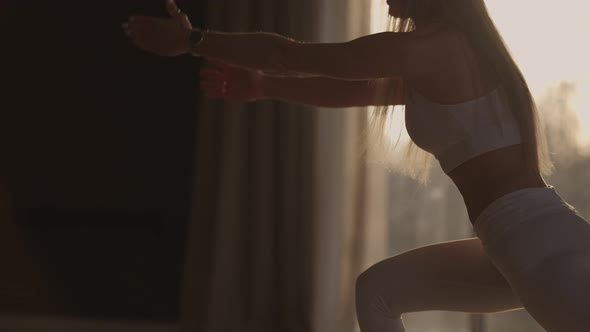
(557, 294)
(555, 285)
(448, 276)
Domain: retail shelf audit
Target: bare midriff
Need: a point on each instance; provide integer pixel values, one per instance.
(489, 176)
(492, 175)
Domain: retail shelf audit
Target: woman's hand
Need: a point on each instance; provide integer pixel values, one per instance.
(222, 80)
(161, 36)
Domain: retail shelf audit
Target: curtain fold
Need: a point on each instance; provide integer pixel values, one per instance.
(282, 203)
(351, 214)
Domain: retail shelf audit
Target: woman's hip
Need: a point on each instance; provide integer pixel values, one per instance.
(520, 230)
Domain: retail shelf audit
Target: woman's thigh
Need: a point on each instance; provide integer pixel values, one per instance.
(557, 292)
(448, 276)
(547, 261)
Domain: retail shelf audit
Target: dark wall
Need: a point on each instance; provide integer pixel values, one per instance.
(97, 145)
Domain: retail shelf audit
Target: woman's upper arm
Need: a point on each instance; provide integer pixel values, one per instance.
(386, 54)
(385, 92)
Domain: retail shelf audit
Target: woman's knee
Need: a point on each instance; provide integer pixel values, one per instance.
(375, 291)
(372, 279)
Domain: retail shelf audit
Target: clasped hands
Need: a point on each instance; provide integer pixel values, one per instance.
(171, 37)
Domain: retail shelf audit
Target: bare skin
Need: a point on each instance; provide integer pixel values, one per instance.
(504, 168)
(433, 60)
(505, 173)
(454, 275)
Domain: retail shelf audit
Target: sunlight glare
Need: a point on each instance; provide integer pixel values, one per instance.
(547, 39)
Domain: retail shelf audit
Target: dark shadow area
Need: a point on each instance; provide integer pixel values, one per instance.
(97, 147)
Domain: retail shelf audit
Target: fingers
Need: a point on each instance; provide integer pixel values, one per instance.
(137, 25)
(172, 8)
(176, 13)
(215, 80)
(214, 90)
(213, 83)
(185, 22)
(140, 19)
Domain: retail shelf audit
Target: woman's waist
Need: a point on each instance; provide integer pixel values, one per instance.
(492, 175)
(479, 193)
(520, 206)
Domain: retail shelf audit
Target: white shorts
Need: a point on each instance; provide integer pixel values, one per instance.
(541, 245)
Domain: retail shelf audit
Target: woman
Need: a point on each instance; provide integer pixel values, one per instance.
(468, 105)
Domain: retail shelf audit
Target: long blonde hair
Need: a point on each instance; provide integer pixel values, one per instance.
(472, 18)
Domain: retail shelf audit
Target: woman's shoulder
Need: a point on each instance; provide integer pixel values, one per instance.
(437, 40)
(437, 29)
(439, 37)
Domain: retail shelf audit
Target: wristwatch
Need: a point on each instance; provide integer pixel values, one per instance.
(196, 38)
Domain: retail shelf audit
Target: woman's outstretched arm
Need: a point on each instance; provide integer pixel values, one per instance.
(379, 55)
(329, 92)
(224, 81)
(368, 57)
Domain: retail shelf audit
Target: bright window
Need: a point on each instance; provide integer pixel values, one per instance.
(550, 48)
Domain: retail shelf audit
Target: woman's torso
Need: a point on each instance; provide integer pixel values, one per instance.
(491, 175)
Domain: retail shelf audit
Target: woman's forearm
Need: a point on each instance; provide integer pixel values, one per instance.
(318, 91)
(256, 50)
(368, 57)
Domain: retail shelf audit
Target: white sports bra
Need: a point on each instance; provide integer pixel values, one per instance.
(456, 133)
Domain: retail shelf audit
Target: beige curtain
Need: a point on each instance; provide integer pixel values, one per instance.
(283, 206)
(351, 214)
